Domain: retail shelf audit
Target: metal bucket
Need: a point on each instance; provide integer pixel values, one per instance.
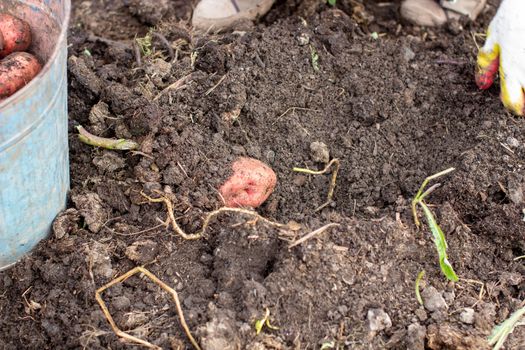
(34, 164)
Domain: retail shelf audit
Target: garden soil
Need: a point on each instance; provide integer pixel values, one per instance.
(308, 83)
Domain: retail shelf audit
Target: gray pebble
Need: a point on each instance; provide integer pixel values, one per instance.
(433, 300)
(467, 315)
(416, 337)
(319, 152)
(378, 320)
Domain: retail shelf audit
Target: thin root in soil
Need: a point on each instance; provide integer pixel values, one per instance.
(161, 284)
(331, 188)
(184, 235)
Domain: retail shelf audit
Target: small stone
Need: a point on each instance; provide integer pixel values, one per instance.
(303, 39)
(416, 337)
(467, 315)
(513, 142)
(121, 303)
(270, 156)
(421, 314)
(378, 320)
(449, 296)
(319, 152)
(433, 300)
(408, 54)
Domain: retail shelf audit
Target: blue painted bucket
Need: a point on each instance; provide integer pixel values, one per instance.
(34, 164)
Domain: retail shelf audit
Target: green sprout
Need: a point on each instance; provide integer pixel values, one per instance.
(265, 321)
(315, 58)
(145, 44)
(439, 237)
(331, 2)
(328, 344)
(501, 332)
(418, 281)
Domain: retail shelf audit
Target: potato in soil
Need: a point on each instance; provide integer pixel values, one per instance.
(16, 70)
(15, 35)
(250, 185)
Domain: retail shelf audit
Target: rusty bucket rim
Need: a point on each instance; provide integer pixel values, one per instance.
(20, 94)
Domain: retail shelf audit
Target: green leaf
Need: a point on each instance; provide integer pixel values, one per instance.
(418, 280)
(501, 332)
(332, 2)
(441, 244)
(259, 324)
(328, 345)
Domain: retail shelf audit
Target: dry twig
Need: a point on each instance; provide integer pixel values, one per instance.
(176, 85)
(312, 234)
(161, 284)
(184, 235)
(332, 182)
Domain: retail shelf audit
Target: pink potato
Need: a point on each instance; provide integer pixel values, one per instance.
(250, 185)
(16, 70)
(15, 34)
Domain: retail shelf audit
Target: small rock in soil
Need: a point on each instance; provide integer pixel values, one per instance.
(433, 300)
(121, 302)
(99, 260)
(378, 320)
(513, 142)
(416, 337)
(219, 333)
(303, 39)
(467, 315)
(91, 208)
(449, 296)
(142, 252)
(408, 54)
(421, 314)
(319, 152)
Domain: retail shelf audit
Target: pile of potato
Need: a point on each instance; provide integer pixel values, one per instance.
(17, 68)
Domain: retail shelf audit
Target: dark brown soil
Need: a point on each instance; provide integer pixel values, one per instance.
(393, 110)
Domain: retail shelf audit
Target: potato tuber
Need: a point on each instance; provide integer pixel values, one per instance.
(16, 70)
(15, 35)
(250, 185)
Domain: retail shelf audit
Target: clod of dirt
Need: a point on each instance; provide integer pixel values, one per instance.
(92, 210)
(149, 11)
(446, 336)
(319, 152)
(220, 333)
(378, 320)
(433, 300)
(98, 116)
(83, 77)
(99, 261)
(467, 315)
(109, 161)
(65, 223)
(142, 252)
(158, 69)
(250, 185)
(416, 337)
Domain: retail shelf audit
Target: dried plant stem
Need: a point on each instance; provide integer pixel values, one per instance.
(209, 217)
(331, 188)
(161, 284)
(312, 234)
